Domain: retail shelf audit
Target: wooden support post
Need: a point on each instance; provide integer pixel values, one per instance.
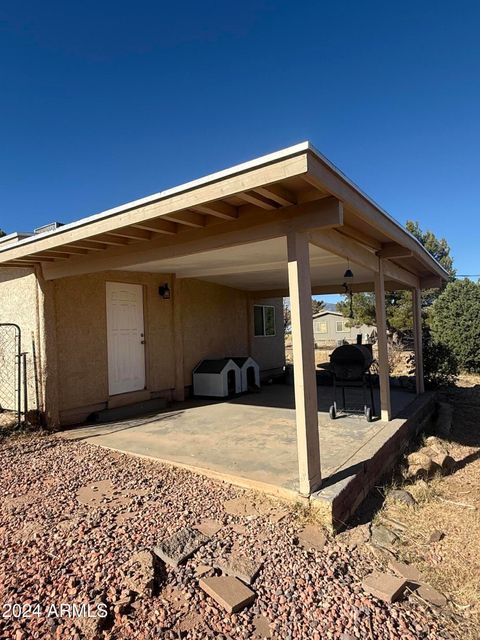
(179, 393)
(305, 383)
(381, 318)
(417, 335)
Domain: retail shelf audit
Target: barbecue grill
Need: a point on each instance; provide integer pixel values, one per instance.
(350, 367)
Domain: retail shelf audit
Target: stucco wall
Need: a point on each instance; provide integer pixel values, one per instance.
(82, 336)
(18, 305)
(215, 321)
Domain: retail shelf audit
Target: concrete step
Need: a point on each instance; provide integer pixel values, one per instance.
(134, 410)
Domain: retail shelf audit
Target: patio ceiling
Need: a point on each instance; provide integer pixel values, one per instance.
(296, 188)
(257, 266)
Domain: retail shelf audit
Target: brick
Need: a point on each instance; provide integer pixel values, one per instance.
(407, 571)
(180, 546)
(384, 586)
(431, 595)
(239, 566)
(209, 527)
(229, 592)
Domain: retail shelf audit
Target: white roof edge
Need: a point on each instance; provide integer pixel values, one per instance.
(218, 175)
(373, 203)
(187, 186)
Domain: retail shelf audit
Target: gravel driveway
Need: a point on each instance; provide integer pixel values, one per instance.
(63, 541)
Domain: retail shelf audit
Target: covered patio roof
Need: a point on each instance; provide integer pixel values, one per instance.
(193, 229)
(281, 225)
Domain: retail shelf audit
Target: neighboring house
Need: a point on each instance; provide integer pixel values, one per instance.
(331, 328)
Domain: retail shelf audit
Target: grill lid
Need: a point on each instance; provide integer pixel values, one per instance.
(350, 361)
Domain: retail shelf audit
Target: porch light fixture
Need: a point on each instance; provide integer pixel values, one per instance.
(348, 275)
(164, 291)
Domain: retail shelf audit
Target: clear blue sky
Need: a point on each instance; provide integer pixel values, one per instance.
(104, 102)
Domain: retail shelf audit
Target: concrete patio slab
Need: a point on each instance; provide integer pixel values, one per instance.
(250, 440)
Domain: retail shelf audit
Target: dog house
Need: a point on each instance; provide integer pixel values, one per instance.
(250, 373)
(217, 378)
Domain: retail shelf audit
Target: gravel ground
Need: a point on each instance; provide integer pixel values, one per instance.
(55, 549)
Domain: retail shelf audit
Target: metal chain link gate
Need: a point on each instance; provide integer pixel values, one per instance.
(11, 369)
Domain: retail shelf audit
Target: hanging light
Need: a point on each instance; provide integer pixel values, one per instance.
(348, 275)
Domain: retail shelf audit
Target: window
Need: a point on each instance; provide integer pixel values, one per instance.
(264, 320)
(320, 327)
(341, 326)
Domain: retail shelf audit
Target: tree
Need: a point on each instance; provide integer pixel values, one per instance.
(317, 306)
(454, 322)
(2, 233)
(399, 303)
(363, 306)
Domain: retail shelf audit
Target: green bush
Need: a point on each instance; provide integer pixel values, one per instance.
(440, 366)
(455, 322)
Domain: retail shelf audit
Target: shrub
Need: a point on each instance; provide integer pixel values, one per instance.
(455, 322)
(440, 365)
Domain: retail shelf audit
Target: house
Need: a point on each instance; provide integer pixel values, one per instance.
(331, 328)
(124, 304)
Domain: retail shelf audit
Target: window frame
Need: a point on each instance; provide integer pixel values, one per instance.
(321, 323)
(345, 329)
(264, 307)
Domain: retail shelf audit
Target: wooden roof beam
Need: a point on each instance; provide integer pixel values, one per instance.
(218, 209)
(326, 289)
(158, 226)
(58, 255)
(278, 194)
(394, 250)
(88, 245)
(72, 251)
(133, 234)
(258, 200)
(109, 239)
(187, 218)
(36, 258)
(361, 237)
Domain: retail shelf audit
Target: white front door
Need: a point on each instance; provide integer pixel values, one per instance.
(125, 338)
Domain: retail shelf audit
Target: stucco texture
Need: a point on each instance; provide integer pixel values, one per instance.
(81, 325)
(215, 321)
(18, 305)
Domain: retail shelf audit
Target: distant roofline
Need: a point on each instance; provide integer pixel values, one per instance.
(323, 313)
(16, 234)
